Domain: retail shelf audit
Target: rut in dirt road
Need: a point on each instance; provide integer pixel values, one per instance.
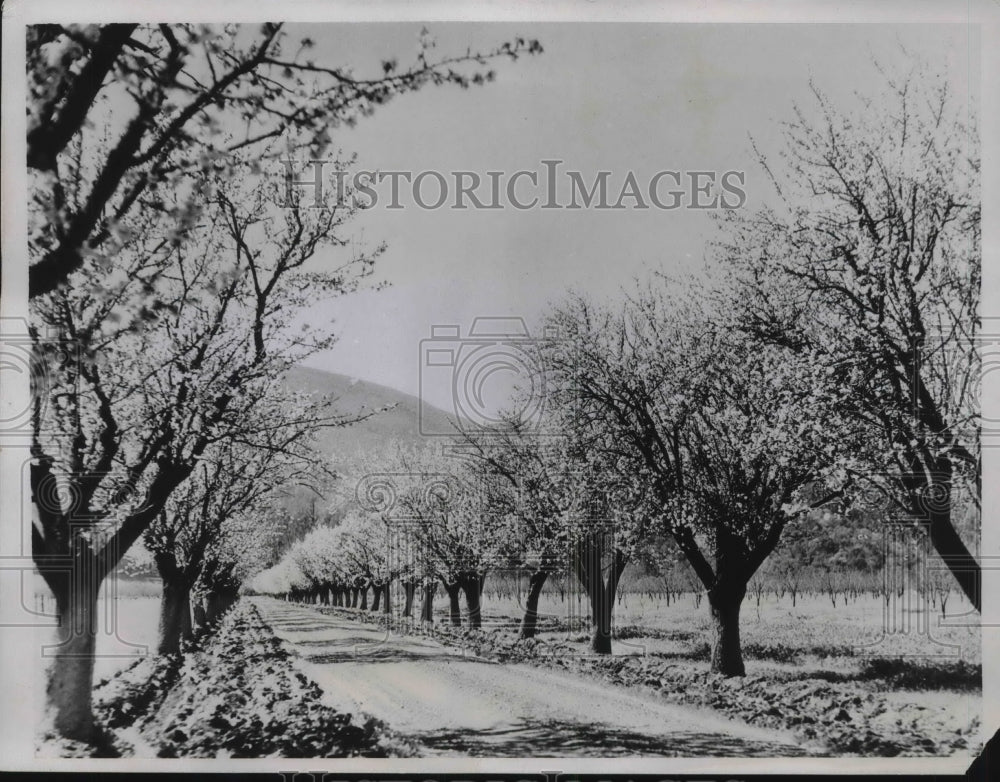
(452, 703)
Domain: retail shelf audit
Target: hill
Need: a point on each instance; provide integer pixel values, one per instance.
(397, 418)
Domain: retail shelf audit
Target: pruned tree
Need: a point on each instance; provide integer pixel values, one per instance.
(233, 559)
(721, 434)
(320, 557)
(242, 475)
(869, 261)
(534, 493)
(566, 505)
(440, 501)
(364, 553)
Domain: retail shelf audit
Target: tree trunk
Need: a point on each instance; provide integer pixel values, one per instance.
(213, 607)
(454, 606)
(175, 617)
(377, 590)
(71, 673)
(589, 568)
(727, 655)
(387, 598)
(600, 638)
(364, 599)
(355, 597)
(71, 677)
(175, 604)
(931, 499)
(956, 556)
(472, 585)
(427, 603)
(529, 624)
(200, 618)
(217, 603)
(409, 589)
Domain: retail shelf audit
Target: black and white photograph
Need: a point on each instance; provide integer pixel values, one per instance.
(394, 385)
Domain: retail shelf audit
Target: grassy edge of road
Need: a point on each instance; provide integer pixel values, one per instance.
(844, 717)
(234, 692)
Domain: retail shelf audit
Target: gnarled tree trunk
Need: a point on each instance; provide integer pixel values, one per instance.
(589, 562)
(68, 692)
(944, 537)
(409, 589)
(198, 615)
(725, 601)
(600, 636)
(175, 604)
(175, 617)
(472, 585)
(454, 606)
(427, 603)
(529, 623)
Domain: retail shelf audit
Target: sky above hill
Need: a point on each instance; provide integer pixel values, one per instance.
(614, 97)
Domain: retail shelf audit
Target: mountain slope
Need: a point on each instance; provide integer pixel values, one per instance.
(400, 423)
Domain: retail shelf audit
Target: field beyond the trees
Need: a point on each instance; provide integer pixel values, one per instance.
(813, 633)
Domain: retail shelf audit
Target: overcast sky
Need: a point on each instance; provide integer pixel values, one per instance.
(616, 97)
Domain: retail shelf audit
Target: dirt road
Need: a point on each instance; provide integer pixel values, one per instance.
(456, 704)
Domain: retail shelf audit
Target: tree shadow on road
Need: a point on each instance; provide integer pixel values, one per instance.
(573, 739)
